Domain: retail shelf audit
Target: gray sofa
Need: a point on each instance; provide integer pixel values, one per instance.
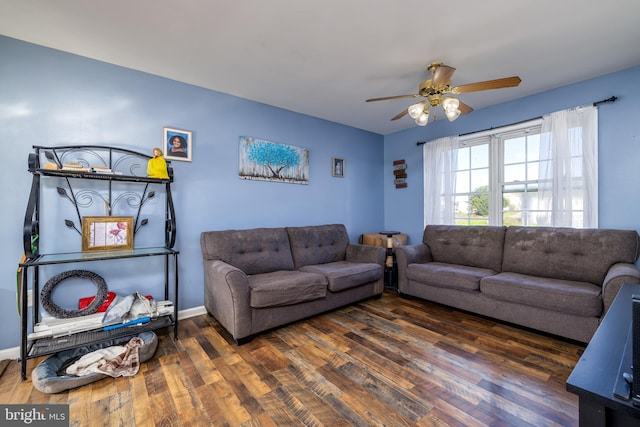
(557, 280)
(261, 278)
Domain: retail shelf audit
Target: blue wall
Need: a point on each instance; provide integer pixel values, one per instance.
(619, 148)
(48, 97)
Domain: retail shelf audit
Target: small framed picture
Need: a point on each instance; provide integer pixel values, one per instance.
(107, 233)
(337, 167)
(177, 144)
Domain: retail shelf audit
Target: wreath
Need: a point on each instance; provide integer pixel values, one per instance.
(57, 311)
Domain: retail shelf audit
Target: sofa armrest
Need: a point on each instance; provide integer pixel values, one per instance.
(410, 254)
(227, 297)
(365, 253)
(617, 275)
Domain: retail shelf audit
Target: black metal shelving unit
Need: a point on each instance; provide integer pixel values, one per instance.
(126, 166)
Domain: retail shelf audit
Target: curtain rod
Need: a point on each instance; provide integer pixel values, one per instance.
(595, 104)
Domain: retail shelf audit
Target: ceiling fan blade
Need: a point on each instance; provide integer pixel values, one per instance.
(442, 76)
(415, 95)
(399, 116)
(487, 85)
(464, 108)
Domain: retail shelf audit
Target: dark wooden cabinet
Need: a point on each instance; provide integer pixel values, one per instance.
(597, 374)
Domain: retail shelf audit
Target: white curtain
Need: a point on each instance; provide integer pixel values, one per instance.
(568, 173)
(440, 161)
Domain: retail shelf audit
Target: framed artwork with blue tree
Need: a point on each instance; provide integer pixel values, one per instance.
(272, 161)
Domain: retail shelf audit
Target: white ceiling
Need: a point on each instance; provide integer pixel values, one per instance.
(324, 58)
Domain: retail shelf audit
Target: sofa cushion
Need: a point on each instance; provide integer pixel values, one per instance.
(254, 251)
(318, 244)
(475, 246)
(344, 275)
(451, 276)
(583, 255)
(581, 298)
(285, 287)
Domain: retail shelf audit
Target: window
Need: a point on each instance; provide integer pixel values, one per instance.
(472, 185)
(519, 183)
(503, 191)
(528, 174)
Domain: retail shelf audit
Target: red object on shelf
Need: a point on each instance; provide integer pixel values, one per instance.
(84, 302)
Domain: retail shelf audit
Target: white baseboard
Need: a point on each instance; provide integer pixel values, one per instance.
(10, 353)
(14, 352)
(191, 312)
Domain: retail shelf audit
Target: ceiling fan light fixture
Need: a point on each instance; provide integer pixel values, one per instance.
(450, 104)
(437, 89)
(423, 118)
(452, 115)
(416, 109)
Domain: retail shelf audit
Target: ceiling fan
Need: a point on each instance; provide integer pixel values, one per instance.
(436, 90)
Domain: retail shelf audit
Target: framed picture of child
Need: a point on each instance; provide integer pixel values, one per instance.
(337, 167)
(177, 144)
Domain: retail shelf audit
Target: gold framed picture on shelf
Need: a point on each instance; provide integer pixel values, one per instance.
(107, 233)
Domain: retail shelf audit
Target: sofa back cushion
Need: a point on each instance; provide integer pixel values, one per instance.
(318, 244)
(568, 253)
(254, 251)
(474, 246)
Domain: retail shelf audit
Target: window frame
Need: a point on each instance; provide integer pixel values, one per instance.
(495, 138)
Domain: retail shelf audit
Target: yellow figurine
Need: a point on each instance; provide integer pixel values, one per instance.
(157, 166)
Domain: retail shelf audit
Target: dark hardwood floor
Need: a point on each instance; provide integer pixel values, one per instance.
(391, 362)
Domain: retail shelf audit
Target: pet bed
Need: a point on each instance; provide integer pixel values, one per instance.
(47, 378)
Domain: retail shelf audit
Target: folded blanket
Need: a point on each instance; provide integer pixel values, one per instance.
(131, 307)
(115, 361)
